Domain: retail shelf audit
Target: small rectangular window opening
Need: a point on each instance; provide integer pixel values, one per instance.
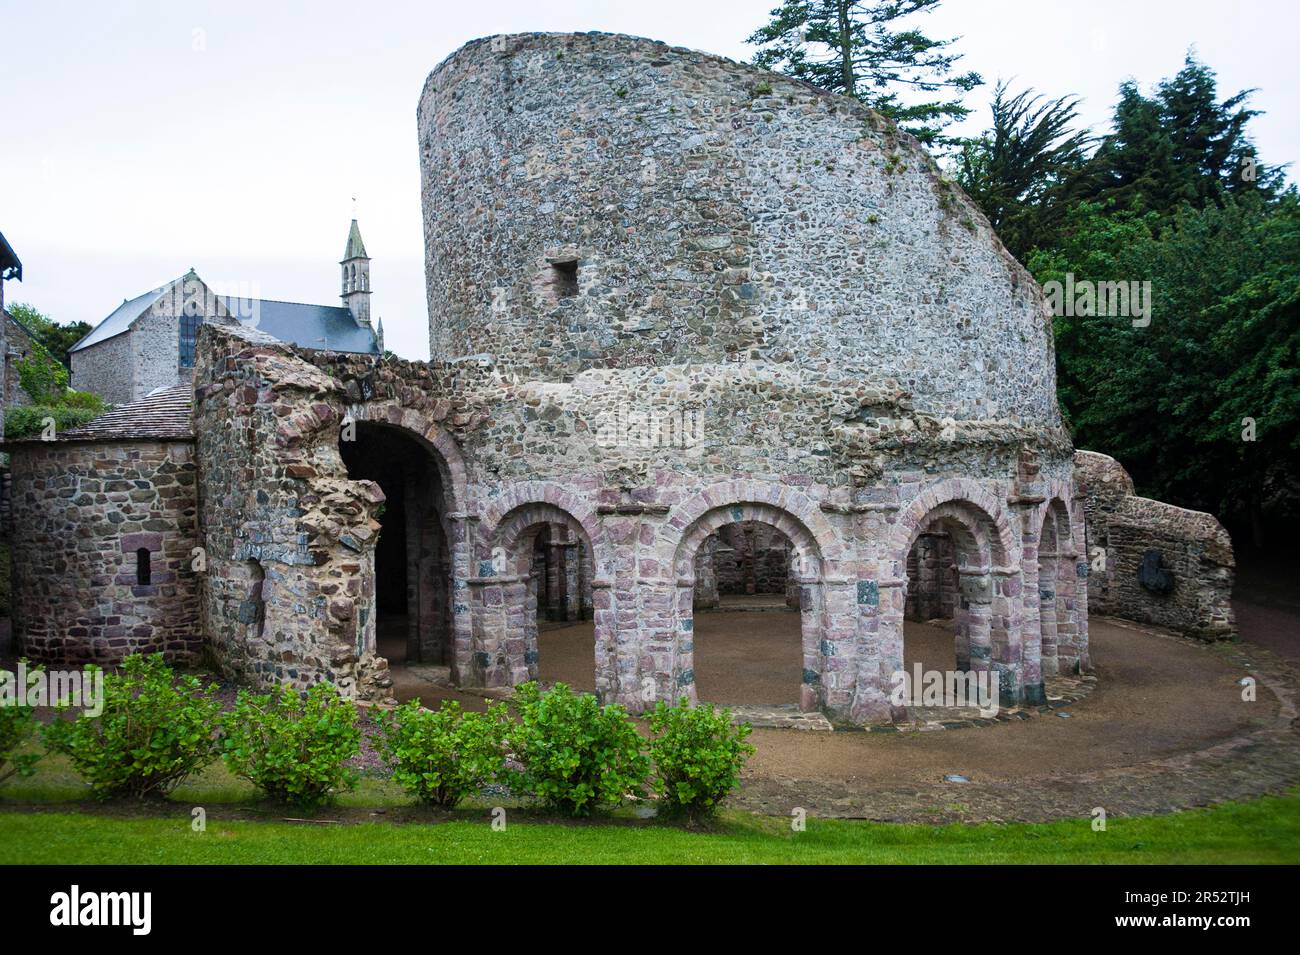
(142, 568)
(565, 278)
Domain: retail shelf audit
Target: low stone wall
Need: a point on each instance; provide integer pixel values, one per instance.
(82, 514)
(1153, 562)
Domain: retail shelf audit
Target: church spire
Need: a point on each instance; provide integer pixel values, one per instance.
(356, 277)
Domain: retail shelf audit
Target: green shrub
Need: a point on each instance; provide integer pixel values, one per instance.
(442, 756)
(42, 377)
(293, 746)
(17, 725)
(155, 730)
(698, 756)
(85, 400)
(575, 754)
(23, 421)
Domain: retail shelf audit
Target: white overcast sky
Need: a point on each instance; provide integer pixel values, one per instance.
(138, 139)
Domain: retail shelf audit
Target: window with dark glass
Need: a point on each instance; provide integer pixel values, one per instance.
(189, 333)
(143, 570)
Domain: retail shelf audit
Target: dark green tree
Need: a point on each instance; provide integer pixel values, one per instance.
(1180, 145)
(1024, 170)
(861, 50)
(1203, 404)
(56, 338)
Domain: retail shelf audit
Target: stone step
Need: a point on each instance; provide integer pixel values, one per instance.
(779, 716)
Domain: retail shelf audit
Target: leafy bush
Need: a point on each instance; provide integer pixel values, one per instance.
(441, 756)
(698, 756)
(293, 746)
(155, 730)
(575, 754)
(23, 421)
(43, 378)
(17, 724)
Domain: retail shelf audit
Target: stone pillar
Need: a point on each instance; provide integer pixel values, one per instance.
(706, 574)
(1032, 644)
(1006, 626)
(1048, 565)
(461, 550)
(974, 646)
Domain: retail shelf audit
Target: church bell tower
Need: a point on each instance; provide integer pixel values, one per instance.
(356, 277)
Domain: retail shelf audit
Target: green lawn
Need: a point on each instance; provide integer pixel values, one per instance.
(1262, 831)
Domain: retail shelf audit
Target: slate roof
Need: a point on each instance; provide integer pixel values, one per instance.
(121, 319)
(161, 415)
(325, 327)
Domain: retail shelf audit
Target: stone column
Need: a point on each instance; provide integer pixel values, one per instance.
(974, 647)
(463, 528)
(706, 574)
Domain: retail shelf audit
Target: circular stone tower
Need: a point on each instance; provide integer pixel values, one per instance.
(688, 292)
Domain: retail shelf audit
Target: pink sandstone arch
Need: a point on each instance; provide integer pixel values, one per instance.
(451, 463)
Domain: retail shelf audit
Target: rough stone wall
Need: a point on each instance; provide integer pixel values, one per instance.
(753, 559)
(137, 362)
(107, 369)
(1186, 584)
(289, 594)
(717, 213)
(18, 346)
(80, 513)
(155, 349)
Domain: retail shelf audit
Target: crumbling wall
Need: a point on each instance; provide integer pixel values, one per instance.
(289, 540)
(1153, 562)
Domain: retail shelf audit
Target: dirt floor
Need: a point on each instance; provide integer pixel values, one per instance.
(1155, 696)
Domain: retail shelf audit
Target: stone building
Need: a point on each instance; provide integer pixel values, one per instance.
(104, 532)
(147, 342)
(676, 305)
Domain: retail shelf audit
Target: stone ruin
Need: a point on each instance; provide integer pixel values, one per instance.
(676, 303)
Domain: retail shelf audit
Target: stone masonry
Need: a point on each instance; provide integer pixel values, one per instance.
(103, 534)
(1153, 562)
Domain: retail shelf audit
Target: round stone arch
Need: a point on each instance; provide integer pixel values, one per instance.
(425, 430)
(502, 650)
(1054, 564)
(676, 675)
(990, 615)
(428, 431)
(968, 499)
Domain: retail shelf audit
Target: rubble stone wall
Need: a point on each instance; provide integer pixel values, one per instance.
(81, 512)
(1154, 562)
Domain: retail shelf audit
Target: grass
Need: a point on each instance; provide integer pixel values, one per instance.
(1262, 831)
(46, 819)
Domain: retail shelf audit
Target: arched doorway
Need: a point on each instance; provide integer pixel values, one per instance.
(413, 565)
(1058, 617)
(742, 562)
(533, 610)
(971, 555)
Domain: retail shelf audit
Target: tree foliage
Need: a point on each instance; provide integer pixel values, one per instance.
(862, 50)
(1174, 194)
(1203, 404)
(53, 337)
(1024, 169)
